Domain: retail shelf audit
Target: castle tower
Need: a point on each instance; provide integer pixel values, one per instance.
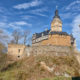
(56, 24)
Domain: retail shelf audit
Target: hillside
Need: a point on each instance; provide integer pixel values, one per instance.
(41, 67)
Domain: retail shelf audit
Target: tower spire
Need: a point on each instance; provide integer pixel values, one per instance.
(56, 24)
(56, 13)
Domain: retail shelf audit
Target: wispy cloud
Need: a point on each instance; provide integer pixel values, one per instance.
(5, 11)
(34, 12)
(76, 29)
(14, 25)
(40, 14)
(6, 36)
(39, 11)
(2, 24)
(45, 9)
(27, 5)
(68, 15)
(65, 15)
(27, 17)
(75, 5)
(20, 24)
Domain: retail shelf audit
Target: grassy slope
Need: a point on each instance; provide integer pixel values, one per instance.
(30, 69)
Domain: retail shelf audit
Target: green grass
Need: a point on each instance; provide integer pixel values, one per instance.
(8, 75)
(58, 78)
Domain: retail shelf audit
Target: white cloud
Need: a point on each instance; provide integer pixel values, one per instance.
(28, 5)
(40, 10)
(76, 29)
(67, 15)
(27, 17)
(14, 25)
(40, 14)
(2, 24)
(19, 25)
(75, 5)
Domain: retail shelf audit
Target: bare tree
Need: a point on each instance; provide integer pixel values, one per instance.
(17, 35)
(25, 36)
(4, 38)
(20, 35)
(2, 47)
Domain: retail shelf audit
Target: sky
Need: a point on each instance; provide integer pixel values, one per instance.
(36, 16)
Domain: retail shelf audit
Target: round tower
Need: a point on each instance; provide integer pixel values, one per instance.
(56, 24)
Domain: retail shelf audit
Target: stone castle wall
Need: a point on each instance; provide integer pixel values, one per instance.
(58, 40)
(25, 51)
(50, 49)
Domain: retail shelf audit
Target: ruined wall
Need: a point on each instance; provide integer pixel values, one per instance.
(61, 40)
(16, 50)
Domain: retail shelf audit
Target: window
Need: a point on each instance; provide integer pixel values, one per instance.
(19, 50)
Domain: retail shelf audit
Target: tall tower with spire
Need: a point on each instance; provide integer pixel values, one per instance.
(56, 24)
(55, 36)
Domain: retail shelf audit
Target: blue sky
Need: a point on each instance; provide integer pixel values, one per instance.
(36, 15)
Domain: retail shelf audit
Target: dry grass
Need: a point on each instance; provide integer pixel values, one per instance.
(29, 68)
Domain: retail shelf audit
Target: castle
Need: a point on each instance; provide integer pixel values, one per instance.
(55, 36)
(50, 41)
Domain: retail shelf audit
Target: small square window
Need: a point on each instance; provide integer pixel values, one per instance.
(19, 50)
